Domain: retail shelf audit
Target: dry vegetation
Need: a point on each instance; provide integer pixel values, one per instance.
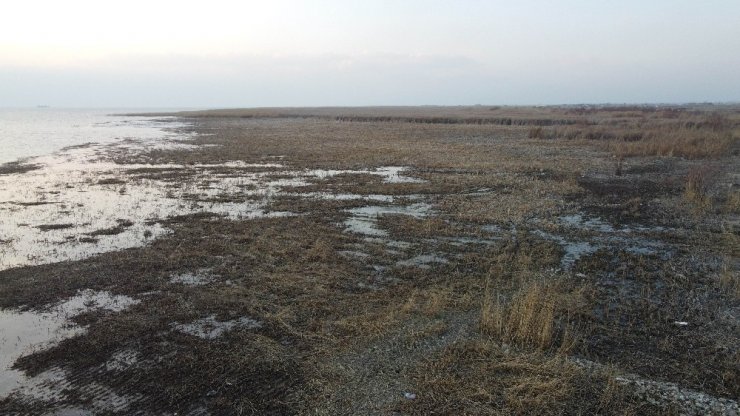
(502, 326)
(16, 168)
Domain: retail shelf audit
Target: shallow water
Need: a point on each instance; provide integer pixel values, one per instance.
(197, 278)
(51, 386)
(79, 203)
(364, 220)
(390, 174)
(587, 223)
(423, 261)
(23, 332)
(602, 236)
(211, 328)
(573, 250)
(40, 131)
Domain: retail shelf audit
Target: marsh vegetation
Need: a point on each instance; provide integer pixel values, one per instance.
(468, 260)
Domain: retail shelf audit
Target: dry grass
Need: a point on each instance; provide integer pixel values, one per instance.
(529, 317)
(732, 203)
(686, 143)
(436, 300)
(50, 227)
(698, 133)
(17, 168)
(729, 280)
(501, 115)
(699, 181)
(492, 331)
(515, 198)
(482, 378)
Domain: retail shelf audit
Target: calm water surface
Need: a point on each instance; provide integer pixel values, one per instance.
(39, 131)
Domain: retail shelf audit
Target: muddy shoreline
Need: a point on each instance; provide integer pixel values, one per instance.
(383, 261)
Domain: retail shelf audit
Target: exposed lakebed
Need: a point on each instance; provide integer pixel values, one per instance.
(77, 204)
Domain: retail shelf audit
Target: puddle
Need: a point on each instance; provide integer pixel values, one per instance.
(50, 386)
(47, 386)
(211, 328)
(364, 220)
(365, 226)
(392, 246)
(492, 229)
(390, 174)
(466, 241)
(79, 203)
(574, 250)
(354, 254)
(606, 237)
(90, 300)
(199, 278)
(24, 332)
(423, 261)
(590, 223)
(122, 360)
(344, 197)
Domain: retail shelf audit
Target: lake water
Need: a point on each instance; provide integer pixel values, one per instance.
(39, 131)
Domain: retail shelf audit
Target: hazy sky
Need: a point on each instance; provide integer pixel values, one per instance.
(221, 53)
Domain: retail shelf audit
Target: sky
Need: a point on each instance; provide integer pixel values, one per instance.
(218, 53)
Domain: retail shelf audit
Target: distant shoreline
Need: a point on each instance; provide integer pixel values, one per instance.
(462, 111)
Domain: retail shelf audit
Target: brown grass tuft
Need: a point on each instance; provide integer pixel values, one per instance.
(729, 280)
(483, 378)
(320, 251)
(732, 203)
(528, 319)
(536, 133)
(690, 144)
(699, 181)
